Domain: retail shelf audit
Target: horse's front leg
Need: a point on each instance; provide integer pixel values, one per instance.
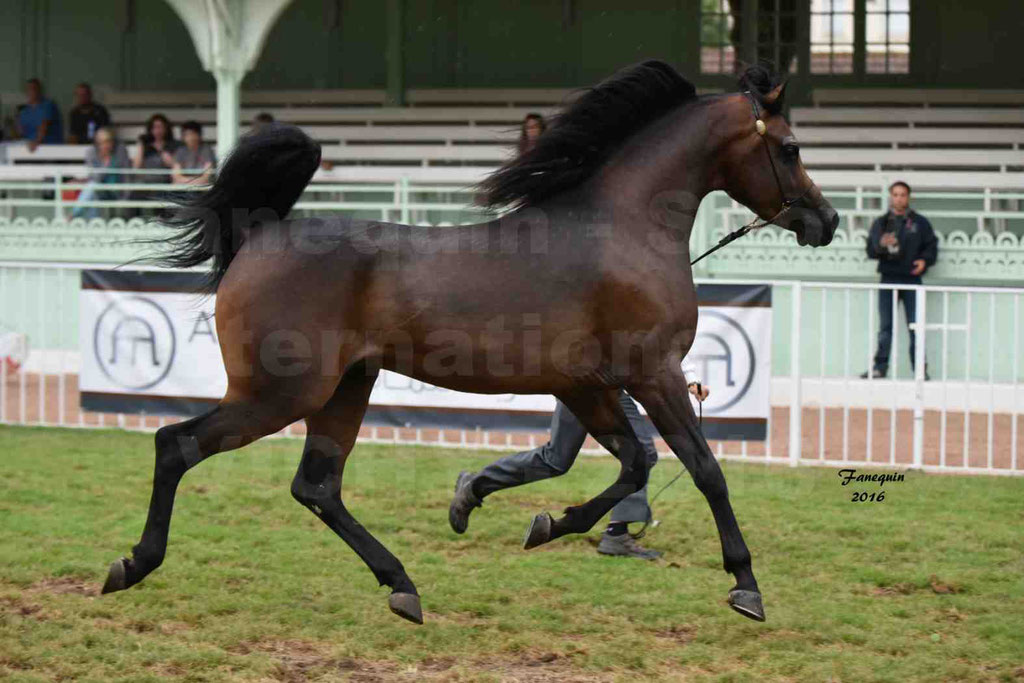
(667, 402)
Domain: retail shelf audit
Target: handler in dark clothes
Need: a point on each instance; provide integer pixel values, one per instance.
(904, 243)
(554, 459)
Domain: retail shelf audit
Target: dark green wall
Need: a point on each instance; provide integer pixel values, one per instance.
(969, 44)
(141, 44)
(538, 43)
(324, 44)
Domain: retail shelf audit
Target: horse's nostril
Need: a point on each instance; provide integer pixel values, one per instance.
(833, 220)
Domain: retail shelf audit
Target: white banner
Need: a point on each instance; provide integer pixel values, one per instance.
(148, 344)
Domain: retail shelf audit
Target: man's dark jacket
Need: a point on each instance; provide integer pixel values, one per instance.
(916, 241)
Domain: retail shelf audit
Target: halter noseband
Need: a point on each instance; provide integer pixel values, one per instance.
(787, 204)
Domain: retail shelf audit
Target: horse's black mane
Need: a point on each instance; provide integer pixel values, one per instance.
(760, 79)
(584, 135)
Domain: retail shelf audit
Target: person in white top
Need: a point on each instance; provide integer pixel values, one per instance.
(554, 459)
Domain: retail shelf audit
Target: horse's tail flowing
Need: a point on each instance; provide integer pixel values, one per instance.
(259, 182)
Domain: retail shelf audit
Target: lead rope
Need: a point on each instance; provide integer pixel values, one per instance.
(650, 505)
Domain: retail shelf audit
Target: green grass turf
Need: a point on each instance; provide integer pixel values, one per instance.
(926, 585)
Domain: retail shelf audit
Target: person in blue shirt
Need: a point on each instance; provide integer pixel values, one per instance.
(39, 119)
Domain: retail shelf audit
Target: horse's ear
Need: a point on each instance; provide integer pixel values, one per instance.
(773, 100)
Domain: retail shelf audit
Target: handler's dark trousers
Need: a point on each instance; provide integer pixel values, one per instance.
(885, 313)
(556, 457)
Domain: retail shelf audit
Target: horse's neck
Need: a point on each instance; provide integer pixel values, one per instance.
(658, 178)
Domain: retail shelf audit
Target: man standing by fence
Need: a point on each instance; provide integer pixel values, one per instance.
(905, 246)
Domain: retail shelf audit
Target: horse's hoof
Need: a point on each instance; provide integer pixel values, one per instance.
(539, 532)
(407, 606)
(117, 577)
(747, 603)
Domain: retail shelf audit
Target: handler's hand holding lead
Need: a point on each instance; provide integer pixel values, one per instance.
(699, 390)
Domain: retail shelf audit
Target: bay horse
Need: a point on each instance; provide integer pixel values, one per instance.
(582, 288)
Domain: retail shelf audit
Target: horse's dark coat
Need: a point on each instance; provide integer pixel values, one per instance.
(584, 288)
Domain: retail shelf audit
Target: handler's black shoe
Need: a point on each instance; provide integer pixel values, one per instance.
(462, 503)
(625, 545)
(874, 374)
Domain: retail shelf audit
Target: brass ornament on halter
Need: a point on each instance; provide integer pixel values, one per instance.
(761, 128)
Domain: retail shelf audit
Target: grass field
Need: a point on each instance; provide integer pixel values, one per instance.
(927, 585)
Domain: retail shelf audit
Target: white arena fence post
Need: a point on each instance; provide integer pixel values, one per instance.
(921, 332)
(795, 402)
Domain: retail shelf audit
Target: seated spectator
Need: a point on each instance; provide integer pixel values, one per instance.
(264, 119)
(105, 153)
(86, 117)
(156, 149)
(531, 129)
(39, 119)
(261, 120)
(194, 155)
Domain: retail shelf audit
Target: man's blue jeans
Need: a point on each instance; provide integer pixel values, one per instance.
(554, 459)
(885, 313)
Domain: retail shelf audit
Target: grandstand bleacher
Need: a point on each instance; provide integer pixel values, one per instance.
(850, 137)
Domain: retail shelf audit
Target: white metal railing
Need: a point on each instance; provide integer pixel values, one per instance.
(965, 419)
(397, 200)
(978, 390)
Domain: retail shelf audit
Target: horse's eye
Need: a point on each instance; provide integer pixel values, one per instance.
(791, 151)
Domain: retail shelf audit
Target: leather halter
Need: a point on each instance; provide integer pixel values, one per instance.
(787, 204)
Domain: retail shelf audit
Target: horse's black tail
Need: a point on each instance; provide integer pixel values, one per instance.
(260, 181)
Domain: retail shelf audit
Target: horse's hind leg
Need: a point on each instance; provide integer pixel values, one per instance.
(331, 433)
(179, 447)
(601, 413)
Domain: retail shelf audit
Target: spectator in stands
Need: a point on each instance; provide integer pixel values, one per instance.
(261, 120)
(39, 119)
(905, 246)
(193, 155)
(264, 119)
(86, 117)
(531, 129)
(156, 149)
(106, 153)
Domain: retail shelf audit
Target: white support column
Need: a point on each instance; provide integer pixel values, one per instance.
(229, 94)
(228, 36)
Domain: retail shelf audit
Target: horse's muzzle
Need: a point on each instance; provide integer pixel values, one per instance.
(815, 228)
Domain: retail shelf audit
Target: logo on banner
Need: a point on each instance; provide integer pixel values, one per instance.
(134, 342)
(725, 357)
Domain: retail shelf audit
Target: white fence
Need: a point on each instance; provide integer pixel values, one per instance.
(964, 419)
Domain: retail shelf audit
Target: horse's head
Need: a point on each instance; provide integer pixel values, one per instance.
(761, 165)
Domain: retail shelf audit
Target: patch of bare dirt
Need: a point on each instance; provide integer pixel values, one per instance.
(166, 670)
(894, 589)
(678, 633)
(13, 664)
(20, 607)
(942, 588)
(937, 586)
(298, 660)
(170, 628)
(64, 585)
